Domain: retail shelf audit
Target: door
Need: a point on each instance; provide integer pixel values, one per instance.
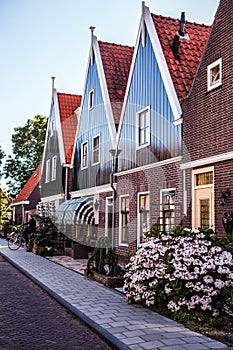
(203, 208)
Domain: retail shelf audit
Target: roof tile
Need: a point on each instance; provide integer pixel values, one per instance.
(30, 185)
(68, 103)
(116, 62)
(182, 71)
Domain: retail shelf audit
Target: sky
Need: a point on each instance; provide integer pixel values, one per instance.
(45, 38)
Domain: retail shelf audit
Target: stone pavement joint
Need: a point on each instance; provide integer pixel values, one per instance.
(124, 326)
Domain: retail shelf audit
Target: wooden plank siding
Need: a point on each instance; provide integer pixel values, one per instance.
(92, 122)
(53, 187)
(147, 89)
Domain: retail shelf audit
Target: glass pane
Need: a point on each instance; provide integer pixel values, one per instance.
(204, 179)
(205, 213)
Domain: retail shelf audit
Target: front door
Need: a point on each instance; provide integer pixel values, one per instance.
(203, 198)
(203, 208)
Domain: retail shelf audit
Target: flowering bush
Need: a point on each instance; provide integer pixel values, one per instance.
(182, 270)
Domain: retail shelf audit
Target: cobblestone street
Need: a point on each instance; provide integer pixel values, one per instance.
(30, 319)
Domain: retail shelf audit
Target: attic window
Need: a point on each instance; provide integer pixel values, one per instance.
(91, 99)
(214, 75)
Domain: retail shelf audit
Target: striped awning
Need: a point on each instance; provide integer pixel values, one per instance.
(76, 211)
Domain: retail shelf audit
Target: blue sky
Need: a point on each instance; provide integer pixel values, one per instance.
(44, 38)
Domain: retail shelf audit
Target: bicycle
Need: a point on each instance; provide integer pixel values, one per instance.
(16, 240)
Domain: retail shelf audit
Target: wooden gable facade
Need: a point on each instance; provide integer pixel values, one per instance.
(149, 179)
(106, 78)
(207, 164)
(59, 143)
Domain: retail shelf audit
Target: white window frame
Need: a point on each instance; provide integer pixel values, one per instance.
(146, 127)
(210, 85)
(91, 99)
(139, 216)
(162, 191)
(84, 166)
(97, 150)
(54, 168)
(121, 243)
(48, 171)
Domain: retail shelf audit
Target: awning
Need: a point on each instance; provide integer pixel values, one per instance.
(76, 211)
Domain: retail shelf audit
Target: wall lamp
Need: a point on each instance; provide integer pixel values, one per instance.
(224, 195)
(96, 204)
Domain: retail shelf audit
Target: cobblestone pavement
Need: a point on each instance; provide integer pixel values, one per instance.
(30, 319)
(105, 310)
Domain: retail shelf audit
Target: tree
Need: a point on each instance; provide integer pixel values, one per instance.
(27, 148)
(2, 155)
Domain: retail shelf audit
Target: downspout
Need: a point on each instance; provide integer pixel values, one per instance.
(66, 184)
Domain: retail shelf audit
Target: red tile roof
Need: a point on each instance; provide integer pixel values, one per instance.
(182, 71)
(116, 61)
(30, 185)
(68, 103)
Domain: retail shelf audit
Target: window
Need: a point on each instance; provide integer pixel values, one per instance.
(48, 170)
(91, 99)
(143, 215)
(167, 219)
(143, 127)
(214, 74)
(51, 128)
(54, 168)
(84, 155)
(124, 219)
(96, 149)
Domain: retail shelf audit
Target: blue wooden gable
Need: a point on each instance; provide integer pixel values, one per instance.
(92, 122)
(147, 89)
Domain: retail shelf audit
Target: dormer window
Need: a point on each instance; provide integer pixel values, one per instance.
(214, 74)
(91, 99)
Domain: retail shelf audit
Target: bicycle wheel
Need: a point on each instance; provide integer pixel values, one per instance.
(14, 242)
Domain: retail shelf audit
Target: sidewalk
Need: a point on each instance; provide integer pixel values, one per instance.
(105, 310)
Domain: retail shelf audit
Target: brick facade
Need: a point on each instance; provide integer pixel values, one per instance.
(207, 115)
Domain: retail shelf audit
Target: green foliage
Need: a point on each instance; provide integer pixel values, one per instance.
(2, 155)
(27, 147)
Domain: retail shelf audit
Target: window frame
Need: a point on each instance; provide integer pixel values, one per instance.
(54, 168)
(145, 129)
(139, 234)
(97, 150)
(48, 171)
(126, 212)
(83, 144)
(210, 67)
(91, 99)
(162, 192)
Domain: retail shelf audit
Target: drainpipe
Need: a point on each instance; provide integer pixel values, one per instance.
(66, 184)
(114, 153)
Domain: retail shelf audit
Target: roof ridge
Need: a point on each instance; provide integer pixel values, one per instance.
(115, 44)
(186, 21)
(69, 94)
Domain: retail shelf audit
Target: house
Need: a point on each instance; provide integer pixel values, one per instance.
(83, 217)
(149, 179)
(207, 121)
(56, 173)
(28, 198)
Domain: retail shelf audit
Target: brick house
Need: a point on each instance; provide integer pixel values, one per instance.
(208, 153)
(55, 181)
(84, 216)
(28, 198)
(149, 178)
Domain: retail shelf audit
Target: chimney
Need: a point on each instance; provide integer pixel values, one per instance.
(182, 24)
(53, 78)
(92, 50)
(175, 47)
